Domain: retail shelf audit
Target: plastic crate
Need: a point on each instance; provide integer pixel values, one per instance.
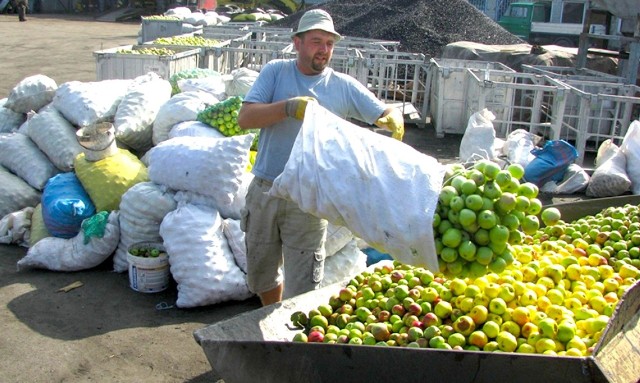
(236, 37)
(227, 59)
(571, 73)
(448, 91)
(151, 29)
(110, 64)
(519, 101)
(596, 111)
(206, 52)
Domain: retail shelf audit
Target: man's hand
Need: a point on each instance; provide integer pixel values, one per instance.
(393, 122)
(295, 107)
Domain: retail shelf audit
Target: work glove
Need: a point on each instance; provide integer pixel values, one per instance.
(393, 122)
(295, 107)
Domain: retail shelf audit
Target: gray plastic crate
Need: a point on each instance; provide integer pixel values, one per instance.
(152, 29)
(110, 64)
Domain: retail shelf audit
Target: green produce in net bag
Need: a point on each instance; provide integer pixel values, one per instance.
(224, 117)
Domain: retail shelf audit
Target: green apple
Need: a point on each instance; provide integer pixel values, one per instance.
(506, 341)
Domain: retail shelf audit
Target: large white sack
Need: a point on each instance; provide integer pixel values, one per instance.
(194, 129)
(240, 81)
(15, 228)
(232, 210)
(73, 254)
(142, 209)
(10, 121)
(55, 136)
(210, 166)
(183, 106)
(235, 238)
(344, 264)
(384, 191)
(337, 238)
(15, 193)
(610, 178)
(32, 93)
(138, 109)
(479, 137)
(631, 148)
(201, 261)
(20, 155)
(87, 103)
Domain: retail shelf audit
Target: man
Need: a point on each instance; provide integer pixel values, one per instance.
(22, 6)
(278, 234)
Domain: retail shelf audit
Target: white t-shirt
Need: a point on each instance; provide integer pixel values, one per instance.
(280, 80)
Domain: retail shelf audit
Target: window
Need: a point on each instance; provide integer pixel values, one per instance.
(521, 12)
(573, 13)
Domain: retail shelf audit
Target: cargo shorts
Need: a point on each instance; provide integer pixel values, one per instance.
(281, 240)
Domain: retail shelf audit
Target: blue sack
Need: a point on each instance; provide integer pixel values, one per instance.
(550, 163)
(65, 204)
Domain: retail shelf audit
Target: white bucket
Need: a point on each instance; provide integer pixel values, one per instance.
(149, 275)
(98, 141)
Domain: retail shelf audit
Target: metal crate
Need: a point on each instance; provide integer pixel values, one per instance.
(596, 111)
(206, 52)
(344, 60)
(113, 65)
(236, 37)
(152, 29)
(519, 101)
(447, 91)
(571, 73)
(227, 59)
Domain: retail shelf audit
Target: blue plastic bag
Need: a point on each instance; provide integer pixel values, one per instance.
(65, 204)
(550, 163)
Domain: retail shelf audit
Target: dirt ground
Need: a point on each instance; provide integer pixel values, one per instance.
(102, 331)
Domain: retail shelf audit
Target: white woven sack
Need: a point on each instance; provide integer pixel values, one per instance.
(15, 193)
(631, 148)
(194, 129)
(344, 264)
(241, 81)
(232, 210)
(10, 121)
(142, 209)
(610, 178)
(184, 106)
(32, 93)
(195, 18)
(15, 227)
(201, 261)
(138, 109)
(235, 237)
(478, 140)
(55, 136)
(337, 238)
(20, 155)
(87, 103)
(59, 254)
(210, 166)
(384, 191)
(213, 84)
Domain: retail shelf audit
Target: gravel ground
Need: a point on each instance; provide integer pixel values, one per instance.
(423, 26)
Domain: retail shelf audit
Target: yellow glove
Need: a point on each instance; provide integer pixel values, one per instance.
(295, 107)
(393, 122)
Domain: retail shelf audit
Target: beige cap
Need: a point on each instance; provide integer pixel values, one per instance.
(316, 19)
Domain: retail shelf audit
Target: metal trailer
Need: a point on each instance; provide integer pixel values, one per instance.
(447, 91)
(596, 111)
(257, 346)
(112, 64)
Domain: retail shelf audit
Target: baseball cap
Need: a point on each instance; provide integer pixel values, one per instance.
(316, 19)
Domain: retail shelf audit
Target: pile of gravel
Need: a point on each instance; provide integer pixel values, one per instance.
(421, 26)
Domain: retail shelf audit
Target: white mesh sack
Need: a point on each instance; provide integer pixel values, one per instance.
(87, 103)
(631, 148)
(142, 209)
(73, 254)
(194, 129)
(201, 261)
(232, 210)
(235, 237)
(138, 109)
(32, 93)
(384, 191)
(55, 136)
(15, 193)
(183, 106)
(610, 178)
(10, 121)
(20, 155)
(240, 82)
(210, 166)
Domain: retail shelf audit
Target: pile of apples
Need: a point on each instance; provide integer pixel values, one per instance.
(553, 293)
(223, 116)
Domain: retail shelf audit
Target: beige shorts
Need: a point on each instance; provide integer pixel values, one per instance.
(281, 240)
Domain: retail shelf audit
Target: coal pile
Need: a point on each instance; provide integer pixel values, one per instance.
(421, 26)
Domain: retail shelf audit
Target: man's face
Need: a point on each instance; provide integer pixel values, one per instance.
(314, 49)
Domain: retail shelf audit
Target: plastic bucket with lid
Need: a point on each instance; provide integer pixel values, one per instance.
(98, 141)
(148, 274)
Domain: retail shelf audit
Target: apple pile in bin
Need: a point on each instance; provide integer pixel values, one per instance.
(548, 290)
